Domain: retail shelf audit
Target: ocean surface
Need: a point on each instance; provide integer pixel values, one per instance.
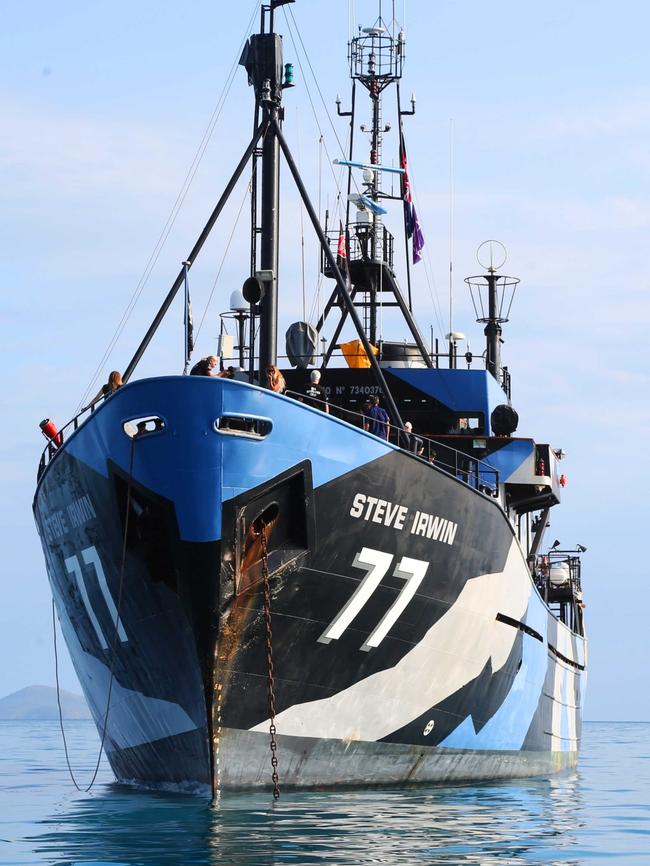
(599, 814)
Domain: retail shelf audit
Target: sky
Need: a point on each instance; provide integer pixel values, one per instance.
(532, 128)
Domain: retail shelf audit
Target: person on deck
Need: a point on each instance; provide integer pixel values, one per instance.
(405, 437)
(204, 367)
(315, 394)
(409, 441)
(114, 382)
(377, 420)
(275, 380)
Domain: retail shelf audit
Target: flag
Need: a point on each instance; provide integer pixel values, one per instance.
(411, 221)
(406, 189)
(342, 257)
(418, 238)
(188, 322)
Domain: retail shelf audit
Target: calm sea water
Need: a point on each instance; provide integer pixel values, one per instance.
(601, 813)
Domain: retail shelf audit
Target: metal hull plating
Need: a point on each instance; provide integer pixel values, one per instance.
(409, 642)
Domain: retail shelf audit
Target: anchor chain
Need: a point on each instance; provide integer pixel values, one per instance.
(269, 658)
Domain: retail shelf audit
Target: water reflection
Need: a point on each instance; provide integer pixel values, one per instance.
(514, 823)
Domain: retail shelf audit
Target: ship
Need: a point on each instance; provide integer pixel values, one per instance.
(335, 583)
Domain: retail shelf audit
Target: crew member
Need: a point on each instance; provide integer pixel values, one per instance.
(377, 419)
(204, 367)
(315, 394)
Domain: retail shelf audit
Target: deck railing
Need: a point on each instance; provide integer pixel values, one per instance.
(478, 473)
(55, 444)
(473, 471)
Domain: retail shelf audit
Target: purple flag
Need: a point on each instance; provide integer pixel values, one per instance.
(418, 238)
(406, 190)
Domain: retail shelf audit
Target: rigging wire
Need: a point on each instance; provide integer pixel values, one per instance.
(319, 279)
(311, 102)
(316, 302)
(431, 283)
(320, 93)
(175, 210)
(311, 68)
(247, 191)
(302, 232)
(428, 267)
(322, 144)
(433, 292)
(338, 181)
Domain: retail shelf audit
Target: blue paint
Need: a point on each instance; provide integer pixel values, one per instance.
(507, 728)
(464, 391)
(197, 467)
(509, 458)
(537, 615)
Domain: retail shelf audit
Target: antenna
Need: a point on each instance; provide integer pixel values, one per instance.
(451, 225)
(489, 253)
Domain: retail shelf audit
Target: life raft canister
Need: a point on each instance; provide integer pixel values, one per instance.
(51, 432)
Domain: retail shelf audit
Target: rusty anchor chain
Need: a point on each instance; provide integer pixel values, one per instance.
(269, 656)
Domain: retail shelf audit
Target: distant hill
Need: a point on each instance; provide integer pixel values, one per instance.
(39, 702)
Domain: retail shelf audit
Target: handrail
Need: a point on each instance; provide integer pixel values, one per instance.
(475, 472)
(565, 596)
(51, 449)
(478, 362)
(541, 565)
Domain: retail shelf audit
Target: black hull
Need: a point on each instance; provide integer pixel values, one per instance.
(449, 690)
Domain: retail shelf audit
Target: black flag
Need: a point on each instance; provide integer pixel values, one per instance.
(187, 319)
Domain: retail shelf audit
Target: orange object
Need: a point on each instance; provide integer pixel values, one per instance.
(355, 354)
(51, 432)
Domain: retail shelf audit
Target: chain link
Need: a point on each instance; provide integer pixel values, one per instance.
(269, 659)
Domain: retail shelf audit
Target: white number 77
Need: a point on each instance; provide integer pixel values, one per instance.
(376, 564)
(91, 557)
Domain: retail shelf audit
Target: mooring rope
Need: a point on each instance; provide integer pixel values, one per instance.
(113, 647)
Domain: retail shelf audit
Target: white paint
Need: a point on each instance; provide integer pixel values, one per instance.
(572, 709)
(91, 557)
(74, 568)
(452, 653)
(412, 571)
(134, 718)
(376, 564)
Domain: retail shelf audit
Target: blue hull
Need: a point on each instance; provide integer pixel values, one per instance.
(409, 641)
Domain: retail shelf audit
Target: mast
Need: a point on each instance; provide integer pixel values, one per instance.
(492, 296)
(263, 60)
(376, 60)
